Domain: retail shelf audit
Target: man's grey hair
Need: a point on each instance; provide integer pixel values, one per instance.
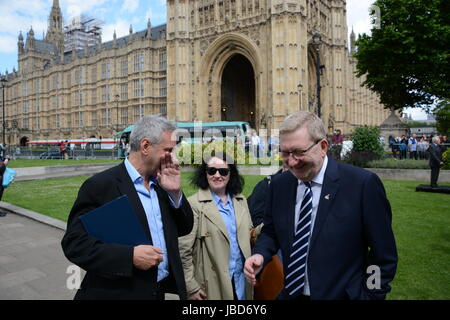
(300, 119)
(150, 127)
(436, 139)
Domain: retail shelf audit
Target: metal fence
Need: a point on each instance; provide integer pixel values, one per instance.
(16, 152)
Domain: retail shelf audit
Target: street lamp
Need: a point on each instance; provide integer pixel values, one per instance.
(316, 42)
(4, 81)
(116, 97)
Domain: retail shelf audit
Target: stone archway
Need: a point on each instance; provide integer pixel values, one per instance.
(23, 141)
(214, 62)
(238, 90)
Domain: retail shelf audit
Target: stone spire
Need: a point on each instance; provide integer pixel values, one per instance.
(55, 33)
(352, 42)
(30, 39)
(20, 44)
(149, 29)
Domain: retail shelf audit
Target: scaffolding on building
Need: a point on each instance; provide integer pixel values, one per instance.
(81, 32)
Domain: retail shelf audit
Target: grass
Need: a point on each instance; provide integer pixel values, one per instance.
(22, 163)
(422, 232)
(420, 223)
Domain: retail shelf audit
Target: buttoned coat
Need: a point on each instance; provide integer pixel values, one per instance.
(205, 252)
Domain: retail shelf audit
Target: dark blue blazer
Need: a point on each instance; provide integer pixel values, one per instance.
(110, 271)
(352, 231)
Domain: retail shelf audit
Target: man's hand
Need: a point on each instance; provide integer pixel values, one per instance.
(252, 267)
(146, 257)
(197, 295)
(169, 176)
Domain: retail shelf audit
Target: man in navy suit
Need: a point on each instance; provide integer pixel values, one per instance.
(152, 181)
(332, 222)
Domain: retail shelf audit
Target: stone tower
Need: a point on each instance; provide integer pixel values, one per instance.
(253, 60)
(55, 32)
(352, 42)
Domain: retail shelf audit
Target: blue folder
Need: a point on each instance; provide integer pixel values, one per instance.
(115, 222)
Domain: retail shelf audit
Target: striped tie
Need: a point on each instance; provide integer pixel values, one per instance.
(295, 276)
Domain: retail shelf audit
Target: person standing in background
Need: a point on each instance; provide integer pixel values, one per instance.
(435, 162)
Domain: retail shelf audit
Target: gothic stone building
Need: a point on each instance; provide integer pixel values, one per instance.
(246, 60)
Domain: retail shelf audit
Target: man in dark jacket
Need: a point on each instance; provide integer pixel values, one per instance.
(151, 180)
(435, 160)
(332, 222)
(257, 200)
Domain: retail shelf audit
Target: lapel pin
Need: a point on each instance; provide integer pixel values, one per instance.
(327, 197)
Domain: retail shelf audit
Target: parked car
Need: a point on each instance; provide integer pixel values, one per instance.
(52, 154)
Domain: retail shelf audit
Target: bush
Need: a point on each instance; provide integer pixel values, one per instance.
(446, 160)
(366, 146)
(398, 164)
(360, 158)
(191, 154)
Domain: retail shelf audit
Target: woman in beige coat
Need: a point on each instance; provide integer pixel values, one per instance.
(213, 254)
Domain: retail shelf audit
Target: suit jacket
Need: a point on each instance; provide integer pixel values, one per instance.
(353, 216)
(435, 155)
(205, 252)
(110, 271)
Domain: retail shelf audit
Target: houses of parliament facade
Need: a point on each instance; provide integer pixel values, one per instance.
(230, 60)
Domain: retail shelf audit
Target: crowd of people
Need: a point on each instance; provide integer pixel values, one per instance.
(414, 147)
(215, 244)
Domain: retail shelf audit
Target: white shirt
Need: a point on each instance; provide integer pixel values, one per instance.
(255, 140)
(316, 188)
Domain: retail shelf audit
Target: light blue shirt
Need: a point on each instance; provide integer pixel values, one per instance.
(149, 200)
(236, 262)
(412, 144)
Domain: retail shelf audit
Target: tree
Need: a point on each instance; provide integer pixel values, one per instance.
(442, 116)
(407, 60)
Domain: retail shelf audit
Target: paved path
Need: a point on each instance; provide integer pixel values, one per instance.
(32, 264)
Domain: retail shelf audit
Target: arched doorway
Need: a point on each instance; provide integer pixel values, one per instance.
(238, 90)
(23, 141)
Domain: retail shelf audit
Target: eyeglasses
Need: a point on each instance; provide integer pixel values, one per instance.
(222, 171)
(297, 153)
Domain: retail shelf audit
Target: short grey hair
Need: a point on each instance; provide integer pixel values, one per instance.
(150, 127)
(300, 119)
(435, 139)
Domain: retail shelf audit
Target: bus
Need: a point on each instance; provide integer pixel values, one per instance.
(203, 132)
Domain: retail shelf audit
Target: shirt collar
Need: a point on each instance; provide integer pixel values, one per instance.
(218, 200)
(135, 175)
(318, 179)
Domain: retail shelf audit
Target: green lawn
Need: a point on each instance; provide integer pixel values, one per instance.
(420, 222)
(422, 231)
(22, 163)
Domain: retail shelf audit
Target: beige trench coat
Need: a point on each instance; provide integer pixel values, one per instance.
(205, 252)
